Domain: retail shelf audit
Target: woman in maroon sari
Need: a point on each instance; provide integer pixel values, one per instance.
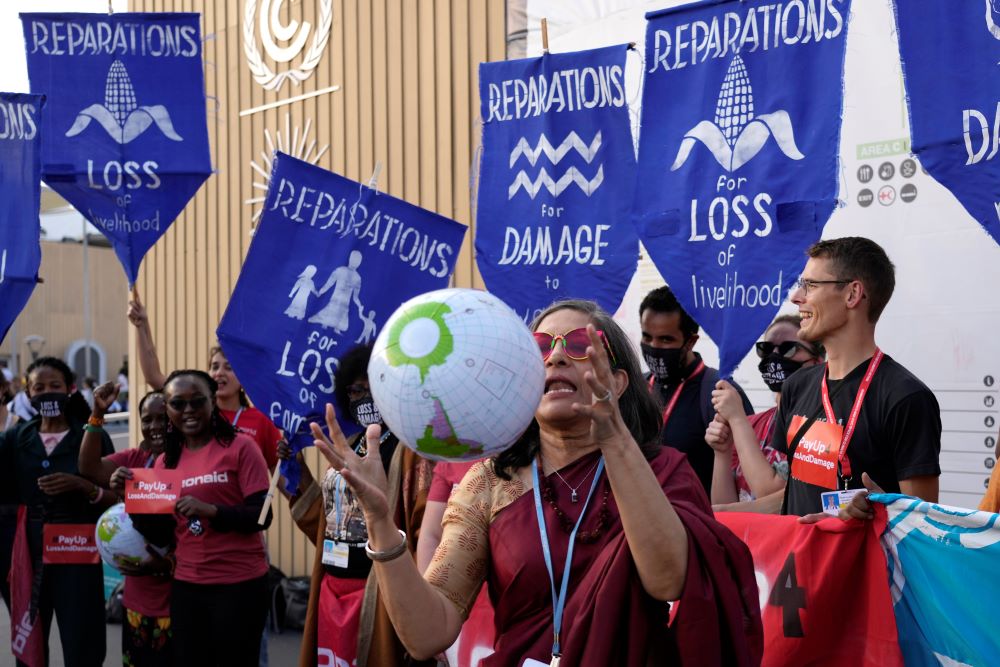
(626, 518)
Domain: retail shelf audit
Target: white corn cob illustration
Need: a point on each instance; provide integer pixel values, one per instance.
(737, 135)
(119, 96)
(734, 108)
(120, 115)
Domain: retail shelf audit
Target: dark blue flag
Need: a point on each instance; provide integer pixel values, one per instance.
(951, 67)
(738, 154)
(20, 184)
(329, 263)
(124, 133)
(558, 171)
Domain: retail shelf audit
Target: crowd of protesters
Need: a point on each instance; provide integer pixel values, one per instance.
(614, 486)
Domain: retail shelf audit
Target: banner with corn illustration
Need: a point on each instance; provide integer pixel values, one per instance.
(125, 136)
(730, 195)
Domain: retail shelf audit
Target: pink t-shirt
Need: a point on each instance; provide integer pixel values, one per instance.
(447, 476)
(255, 423)
(149, 596)
(225, 476)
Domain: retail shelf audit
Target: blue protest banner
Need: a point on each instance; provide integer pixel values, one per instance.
(20, 189)
(942, 576)
(329, 263)
(124, 133)
(558, 172)
(738, 154)
(950, 51)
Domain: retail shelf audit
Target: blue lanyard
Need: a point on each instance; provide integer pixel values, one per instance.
(559, 602)
(236, 417)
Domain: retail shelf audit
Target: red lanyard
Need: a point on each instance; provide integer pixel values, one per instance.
(852, 422)
(669, 410)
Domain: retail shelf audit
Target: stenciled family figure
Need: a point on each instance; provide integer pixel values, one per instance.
(345, 281)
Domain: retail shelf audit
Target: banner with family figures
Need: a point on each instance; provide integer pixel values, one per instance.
(950, 50)
(558, 172)
(125, 136)
(329, 263)
(739, 146)
(20, 190)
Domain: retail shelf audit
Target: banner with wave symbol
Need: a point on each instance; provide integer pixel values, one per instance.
(124, 133)
(557, 177)
(741, 117)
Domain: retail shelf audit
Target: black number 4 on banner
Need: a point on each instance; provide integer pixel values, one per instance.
(790, 597)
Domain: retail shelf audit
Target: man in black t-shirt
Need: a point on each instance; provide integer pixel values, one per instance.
(680, 379)
(886, 419)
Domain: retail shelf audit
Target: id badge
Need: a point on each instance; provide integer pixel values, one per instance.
(335, 553)
(834, 501)
(531, 662)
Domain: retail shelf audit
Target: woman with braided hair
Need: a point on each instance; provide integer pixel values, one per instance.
(583, 530)
(219, 596)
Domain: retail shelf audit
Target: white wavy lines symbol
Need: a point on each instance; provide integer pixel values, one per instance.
(554, 187)
(571, 142)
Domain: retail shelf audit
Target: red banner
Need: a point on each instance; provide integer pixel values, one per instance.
(152, 491)
(475, 642)
(26, 637)
(824, 592)
(69, 544)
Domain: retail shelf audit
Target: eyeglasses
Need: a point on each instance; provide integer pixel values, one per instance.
(575, 344)
(786, 349)
(807, 285)
(181, 404)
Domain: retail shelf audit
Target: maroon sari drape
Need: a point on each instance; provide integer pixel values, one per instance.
(609, 618)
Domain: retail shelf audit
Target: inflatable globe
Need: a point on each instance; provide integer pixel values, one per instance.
(117, 540)
(456, 375)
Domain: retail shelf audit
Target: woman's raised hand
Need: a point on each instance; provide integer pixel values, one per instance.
(105, 396)
(364, 474)
(606, 423)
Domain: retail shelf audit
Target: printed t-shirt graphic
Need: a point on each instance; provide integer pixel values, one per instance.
(898, 434)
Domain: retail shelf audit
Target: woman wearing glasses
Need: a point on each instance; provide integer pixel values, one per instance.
(219, 597)
(582, 530)
(747, 468)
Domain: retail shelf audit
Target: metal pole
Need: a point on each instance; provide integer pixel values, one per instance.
(86, 301)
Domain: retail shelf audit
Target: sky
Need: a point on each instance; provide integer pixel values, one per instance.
(14, 75)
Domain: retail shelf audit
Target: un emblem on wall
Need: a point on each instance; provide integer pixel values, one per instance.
(283, 42)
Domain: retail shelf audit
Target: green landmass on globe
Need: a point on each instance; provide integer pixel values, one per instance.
(107, 529)
(440, 438)
(435, 312)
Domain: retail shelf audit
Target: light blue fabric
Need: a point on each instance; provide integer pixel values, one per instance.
(943, 577)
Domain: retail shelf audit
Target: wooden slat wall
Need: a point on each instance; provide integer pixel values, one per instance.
(408, 99)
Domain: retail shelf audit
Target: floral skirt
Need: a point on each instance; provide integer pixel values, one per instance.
(146, 640)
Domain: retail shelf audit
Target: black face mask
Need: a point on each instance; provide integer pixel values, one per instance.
(365, 412)
(666, 365)
(775, 369)
(50, 404)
